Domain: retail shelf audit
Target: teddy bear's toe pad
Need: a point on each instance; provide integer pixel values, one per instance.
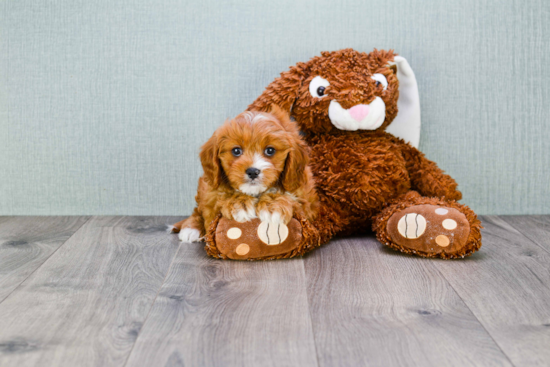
(255, 239)
(429, 229)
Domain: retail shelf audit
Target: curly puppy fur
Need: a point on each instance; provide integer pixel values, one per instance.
(362, 176)
(282, 188)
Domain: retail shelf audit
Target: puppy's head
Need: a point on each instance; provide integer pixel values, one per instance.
(254, 152)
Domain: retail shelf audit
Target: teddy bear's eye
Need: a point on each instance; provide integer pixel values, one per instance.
(317, 87)
(380, 79)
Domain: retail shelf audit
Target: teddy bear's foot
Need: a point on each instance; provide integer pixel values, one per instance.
(257, 240)
(431, 229)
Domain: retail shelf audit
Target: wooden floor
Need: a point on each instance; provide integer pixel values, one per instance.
(119, 291)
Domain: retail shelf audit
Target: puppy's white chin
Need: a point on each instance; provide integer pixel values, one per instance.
(252, 189)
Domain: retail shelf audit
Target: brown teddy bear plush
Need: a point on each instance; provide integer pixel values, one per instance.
(343, 102)
(367, 177)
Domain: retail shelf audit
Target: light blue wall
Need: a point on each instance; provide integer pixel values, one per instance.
(104, 104)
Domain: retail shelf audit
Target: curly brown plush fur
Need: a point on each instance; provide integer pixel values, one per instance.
(363, 177)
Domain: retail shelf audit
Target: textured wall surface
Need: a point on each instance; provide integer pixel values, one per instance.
(104, 104)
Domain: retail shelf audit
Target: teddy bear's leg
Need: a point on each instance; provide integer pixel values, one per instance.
(429, 227)
(256, 240)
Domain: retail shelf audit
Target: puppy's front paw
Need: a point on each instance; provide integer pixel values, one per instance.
(189, 235)
(242, 215)
(276, 209)
(272, 217)
(240, 208)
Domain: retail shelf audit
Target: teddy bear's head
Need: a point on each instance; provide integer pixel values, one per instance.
(341, 90)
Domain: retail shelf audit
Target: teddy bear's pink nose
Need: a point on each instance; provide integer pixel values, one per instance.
(359, 112)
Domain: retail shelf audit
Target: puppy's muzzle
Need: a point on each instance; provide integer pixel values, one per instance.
(252, 172)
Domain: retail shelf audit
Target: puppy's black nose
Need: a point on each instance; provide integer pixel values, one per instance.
(253, 172)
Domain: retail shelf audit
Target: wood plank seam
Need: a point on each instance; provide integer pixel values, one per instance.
(472, 312)
(446, 303)
(215, 312)
(484, 317)
(520, 232)
(87, 304)
(154, 301)
(45, 260)
(309, 314)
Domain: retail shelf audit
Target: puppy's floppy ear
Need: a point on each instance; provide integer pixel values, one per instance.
(283, 117)
(211, 165)
(283, 91)
(294, 174)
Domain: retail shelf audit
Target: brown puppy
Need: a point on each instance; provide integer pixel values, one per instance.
(254, 166)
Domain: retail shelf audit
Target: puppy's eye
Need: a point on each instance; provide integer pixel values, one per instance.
(380, 79)
(236, 152)
(269, 151)
(317, 87)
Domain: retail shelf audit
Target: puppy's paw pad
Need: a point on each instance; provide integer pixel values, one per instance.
(189, 235)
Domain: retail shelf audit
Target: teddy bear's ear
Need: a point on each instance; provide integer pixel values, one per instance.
(406, 124)
(282, 92)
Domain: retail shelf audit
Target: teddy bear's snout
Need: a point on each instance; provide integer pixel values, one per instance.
(359, 117)
(359, 112)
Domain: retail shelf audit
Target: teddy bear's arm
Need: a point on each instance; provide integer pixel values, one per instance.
(427, 178)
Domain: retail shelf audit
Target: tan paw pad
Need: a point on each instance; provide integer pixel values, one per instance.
(442, 240)
(411, 225)
(449, 224)
(234, 233)
(272, 234)
(242, 249)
